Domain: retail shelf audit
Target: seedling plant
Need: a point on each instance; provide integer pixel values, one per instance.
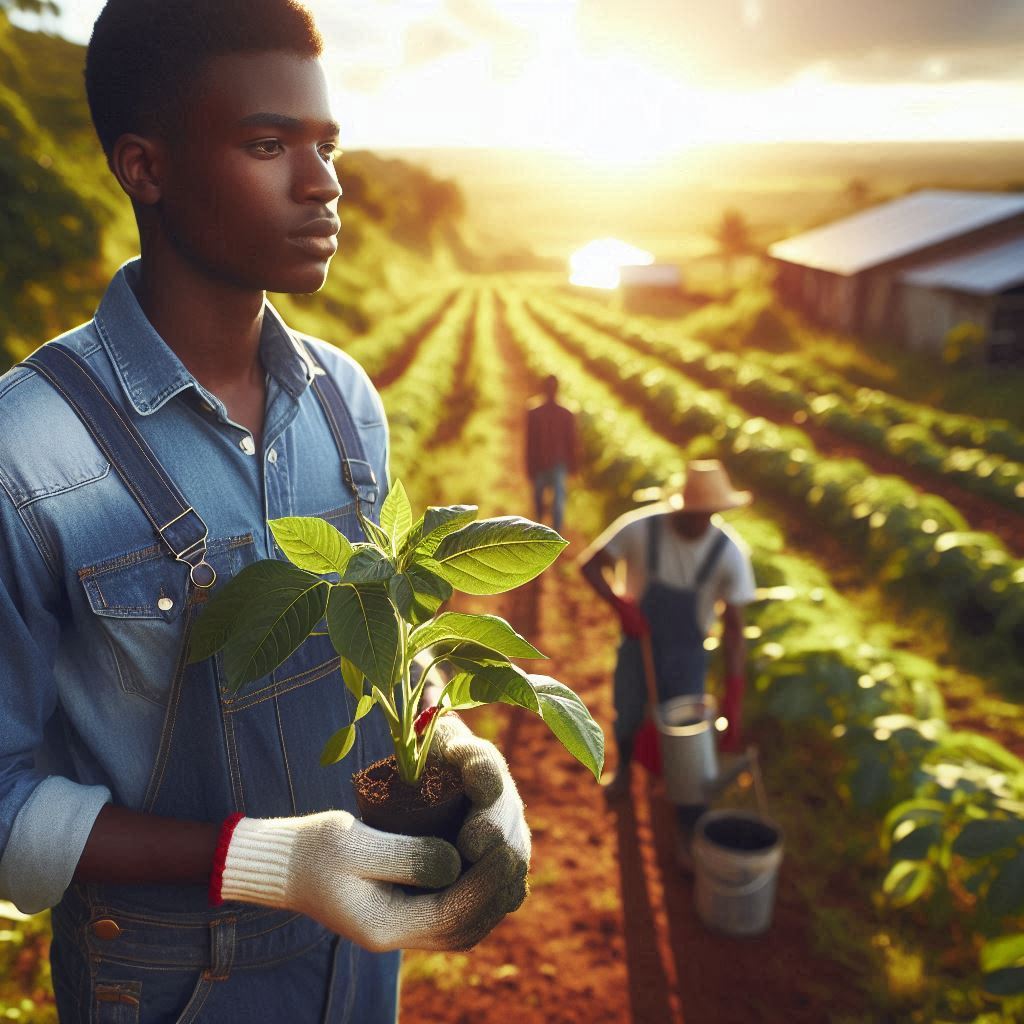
(381, 600)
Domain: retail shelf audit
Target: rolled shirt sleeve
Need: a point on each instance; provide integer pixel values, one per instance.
(45, 820)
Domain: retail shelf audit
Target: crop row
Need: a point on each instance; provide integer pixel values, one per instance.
(916, 538)
(396, 334)
(911, 432)
(468, 468)
(416, 401)
(951, 799)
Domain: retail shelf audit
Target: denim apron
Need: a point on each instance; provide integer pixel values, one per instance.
(677, 638)
(157, 954)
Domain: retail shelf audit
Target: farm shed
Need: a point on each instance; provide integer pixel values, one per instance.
(849, 274)
(984, 287)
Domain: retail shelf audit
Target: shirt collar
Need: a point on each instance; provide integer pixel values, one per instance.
(150, 373)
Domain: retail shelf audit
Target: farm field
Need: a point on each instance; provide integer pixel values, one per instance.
(884, 694)
(886, 898)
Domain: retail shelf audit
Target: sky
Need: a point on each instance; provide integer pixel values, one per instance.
(629, 81)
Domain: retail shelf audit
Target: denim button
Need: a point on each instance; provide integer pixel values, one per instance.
(247, 445)
(272, 456)
(165, 604)
(106, 929)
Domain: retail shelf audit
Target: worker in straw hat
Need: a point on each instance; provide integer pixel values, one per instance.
(666, 570)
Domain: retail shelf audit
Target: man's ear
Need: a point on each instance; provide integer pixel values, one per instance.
(137, 163)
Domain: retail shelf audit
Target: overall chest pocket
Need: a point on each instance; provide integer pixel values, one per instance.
(138, 601)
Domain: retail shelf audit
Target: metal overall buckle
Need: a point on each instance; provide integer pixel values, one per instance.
(200, 571)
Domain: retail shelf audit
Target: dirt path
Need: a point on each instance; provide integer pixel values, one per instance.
(609, 933)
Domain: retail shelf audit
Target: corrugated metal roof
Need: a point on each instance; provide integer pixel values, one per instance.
(897, 228)
(980, 272)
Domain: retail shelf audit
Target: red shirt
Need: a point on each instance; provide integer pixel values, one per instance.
(550, 438)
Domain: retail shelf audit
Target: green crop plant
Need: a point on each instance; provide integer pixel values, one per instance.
(381, 599)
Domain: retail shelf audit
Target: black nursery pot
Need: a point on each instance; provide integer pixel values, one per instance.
(436, 806)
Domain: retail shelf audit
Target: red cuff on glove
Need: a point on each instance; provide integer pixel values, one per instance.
(634, 622)
(732, 709)
(220, 856)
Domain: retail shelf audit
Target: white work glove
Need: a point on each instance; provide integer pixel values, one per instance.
(346, 875)
(495, 820)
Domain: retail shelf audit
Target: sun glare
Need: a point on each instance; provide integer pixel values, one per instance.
(599, 263)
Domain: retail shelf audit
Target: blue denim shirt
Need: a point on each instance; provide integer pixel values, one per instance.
(91, 632)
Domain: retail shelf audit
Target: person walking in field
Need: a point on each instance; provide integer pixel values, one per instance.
(668, 570)
(199, 862)
(551, 452)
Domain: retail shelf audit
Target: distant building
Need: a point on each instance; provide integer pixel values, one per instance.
(913, 268)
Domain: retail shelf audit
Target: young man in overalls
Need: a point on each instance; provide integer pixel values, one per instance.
(675, 563)
(199, 861)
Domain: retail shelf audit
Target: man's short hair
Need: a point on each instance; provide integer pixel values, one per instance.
(144, 55)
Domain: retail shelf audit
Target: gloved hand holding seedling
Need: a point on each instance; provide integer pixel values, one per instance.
(381, 600)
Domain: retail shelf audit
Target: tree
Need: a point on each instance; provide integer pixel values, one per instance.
(732, 233)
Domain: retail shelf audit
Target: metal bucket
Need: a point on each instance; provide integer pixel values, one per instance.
(686, 727)
(736, 858)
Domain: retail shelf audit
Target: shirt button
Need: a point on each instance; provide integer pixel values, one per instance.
(165, 604)
(106, 929)
(247, 445)
(272, 456)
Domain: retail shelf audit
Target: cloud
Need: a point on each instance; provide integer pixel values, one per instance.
(757, 42)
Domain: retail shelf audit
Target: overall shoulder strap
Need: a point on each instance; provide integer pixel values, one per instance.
(653, 545)
(177, 525)
(709, 563)
(358, 472)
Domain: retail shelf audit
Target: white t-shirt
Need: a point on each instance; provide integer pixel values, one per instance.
(679, 560)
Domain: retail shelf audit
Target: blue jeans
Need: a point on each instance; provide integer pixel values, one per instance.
(553, 478)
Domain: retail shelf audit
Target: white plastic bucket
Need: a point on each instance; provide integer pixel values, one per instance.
(686, 727)
(736, 856)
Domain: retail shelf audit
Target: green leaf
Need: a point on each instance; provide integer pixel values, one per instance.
(495, 555)
(568, 718)
(363, 625)
(396, 516)
(906, 882)
(338, 745)
(980, 838)
(312, 543)
(1006, 982)
(472, 657)
(374, 534)
(1006, 951)
(915, 844)
(457, 694)
(1006, 893)
(506, 685)
(278, 620)
(368, 565)
(490, 631)
(438, 523)
(218, 619)
(430, 592)
(353, 678)
(403, 597)
(363, 707)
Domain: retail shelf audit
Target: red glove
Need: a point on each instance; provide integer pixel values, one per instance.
(732, 710)
(634, 622)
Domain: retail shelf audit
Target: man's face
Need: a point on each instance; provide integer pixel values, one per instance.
(250, 194)
(691, 524)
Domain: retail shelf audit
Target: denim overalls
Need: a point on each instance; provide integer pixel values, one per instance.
(155, 954)
(677, 638)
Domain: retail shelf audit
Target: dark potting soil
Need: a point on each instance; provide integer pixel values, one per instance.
(741, 834)
(435, 807)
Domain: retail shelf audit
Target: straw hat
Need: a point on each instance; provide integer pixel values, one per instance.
(706, 488)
